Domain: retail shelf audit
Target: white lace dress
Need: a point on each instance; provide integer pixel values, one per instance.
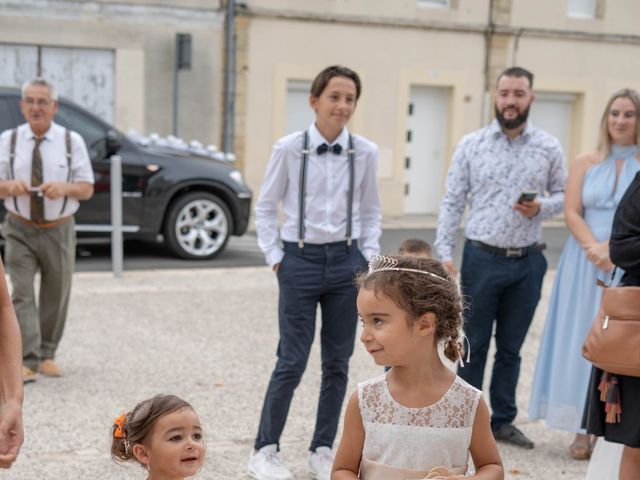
(405, 443)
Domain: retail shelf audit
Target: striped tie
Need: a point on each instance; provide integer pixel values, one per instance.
(37, 200)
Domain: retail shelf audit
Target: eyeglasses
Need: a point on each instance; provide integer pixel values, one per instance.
(41, 102)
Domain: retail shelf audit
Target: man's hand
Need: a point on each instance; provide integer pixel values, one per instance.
(54, 190)
(11, 433)
(450, 267)
(276, 267)
(16, 188)
(528, 209)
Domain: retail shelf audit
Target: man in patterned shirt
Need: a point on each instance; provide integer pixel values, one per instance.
(497, 170)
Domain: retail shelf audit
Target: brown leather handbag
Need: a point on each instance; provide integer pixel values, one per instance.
(613, 343)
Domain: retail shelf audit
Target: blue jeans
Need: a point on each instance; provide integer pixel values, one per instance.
(504, 290)
(315, 274)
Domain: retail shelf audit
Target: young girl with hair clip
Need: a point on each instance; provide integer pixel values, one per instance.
(419, 420)
(163, 434)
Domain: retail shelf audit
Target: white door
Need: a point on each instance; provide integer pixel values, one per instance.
(299, 114)
(18, 63)
(83, 75)
(426, 141)
(553, 113)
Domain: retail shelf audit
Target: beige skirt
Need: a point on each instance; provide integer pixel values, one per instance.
(370, 470)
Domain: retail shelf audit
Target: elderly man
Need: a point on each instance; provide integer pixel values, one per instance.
(44, 171)
(513, 176)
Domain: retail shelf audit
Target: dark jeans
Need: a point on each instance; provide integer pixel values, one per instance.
(315, 274)
(504, 290)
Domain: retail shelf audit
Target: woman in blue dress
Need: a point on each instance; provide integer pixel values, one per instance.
(596, 183)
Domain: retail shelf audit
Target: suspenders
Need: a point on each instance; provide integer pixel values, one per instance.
(303, 183)
(302, 188)
(352, 174)
(67, 143)
(12, 157)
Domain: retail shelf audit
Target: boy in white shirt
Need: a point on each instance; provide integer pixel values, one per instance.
(325, 179)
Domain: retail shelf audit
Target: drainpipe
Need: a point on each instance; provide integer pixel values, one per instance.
(228, 129)
(488, 36)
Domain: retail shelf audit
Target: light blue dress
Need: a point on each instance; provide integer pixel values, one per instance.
(562, 375)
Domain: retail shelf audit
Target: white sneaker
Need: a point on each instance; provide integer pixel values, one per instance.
(320, 463)
(265, 464)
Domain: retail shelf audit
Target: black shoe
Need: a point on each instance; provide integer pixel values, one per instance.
(510, 434)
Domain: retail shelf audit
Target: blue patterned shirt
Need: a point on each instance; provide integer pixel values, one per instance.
(489, 172)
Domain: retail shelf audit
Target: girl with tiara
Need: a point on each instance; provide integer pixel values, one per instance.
(419, 420)
(163, 434)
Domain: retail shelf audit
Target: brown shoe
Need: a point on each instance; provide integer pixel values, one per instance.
(581, 449)
(49, 368)
(28, 375)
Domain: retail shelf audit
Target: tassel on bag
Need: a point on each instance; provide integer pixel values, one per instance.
(610, 394)
(603, 386)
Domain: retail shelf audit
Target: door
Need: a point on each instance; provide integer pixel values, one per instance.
(84, 75)
(425, 149)
(18, 63)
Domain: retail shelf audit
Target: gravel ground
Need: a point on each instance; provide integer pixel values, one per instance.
(210, 337)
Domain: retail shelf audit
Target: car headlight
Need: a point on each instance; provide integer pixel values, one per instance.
(236, 175)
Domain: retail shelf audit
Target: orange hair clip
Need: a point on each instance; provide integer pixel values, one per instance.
(119, 432)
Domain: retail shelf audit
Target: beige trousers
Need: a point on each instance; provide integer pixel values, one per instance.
(29, 249)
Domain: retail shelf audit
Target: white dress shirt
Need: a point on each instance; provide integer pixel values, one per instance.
(326, 192)
(53, 151)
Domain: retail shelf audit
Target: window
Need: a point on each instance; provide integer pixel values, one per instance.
(94, 133)
(553, 112)
(434, 3)
(7, 119)
(299, 114)
(582, 8)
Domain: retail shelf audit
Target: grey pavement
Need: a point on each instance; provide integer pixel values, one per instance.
(208, 335)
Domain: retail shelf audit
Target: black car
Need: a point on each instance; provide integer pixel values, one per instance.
(171, 192)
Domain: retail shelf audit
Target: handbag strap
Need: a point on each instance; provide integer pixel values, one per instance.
(600, 283)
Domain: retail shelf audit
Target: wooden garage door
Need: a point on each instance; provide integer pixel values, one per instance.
(83, 75)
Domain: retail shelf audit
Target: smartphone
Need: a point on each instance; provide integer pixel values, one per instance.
(527, 197)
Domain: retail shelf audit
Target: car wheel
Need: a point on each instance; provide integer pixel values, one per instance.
(198, 226)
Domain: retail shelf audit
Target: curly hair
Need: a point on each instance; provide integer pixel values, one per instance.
(139, 422)
(418, 294)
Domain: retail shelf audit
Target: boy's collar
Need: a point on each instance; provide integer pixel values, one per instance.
(316, 137)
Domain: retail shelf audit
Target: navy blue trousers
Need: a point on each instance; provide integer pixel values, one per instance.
(505, 291)
(314, 275)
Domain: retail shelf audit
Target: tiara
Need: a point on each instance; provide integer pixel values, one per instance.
(380, 263)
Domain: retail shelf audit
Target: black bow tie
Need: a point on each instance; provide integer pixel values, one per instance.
(324, 148)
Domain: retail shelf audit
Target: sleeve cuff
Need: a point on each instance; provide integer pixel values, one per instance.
(274, 257)
(445, 255)
(546, 209)
(367, 253)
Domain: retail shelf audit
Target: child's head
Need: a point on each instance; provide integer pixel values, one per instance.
(163, 434)
(414, 247)
(334, 95)
(324, 77)
(416, 289)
